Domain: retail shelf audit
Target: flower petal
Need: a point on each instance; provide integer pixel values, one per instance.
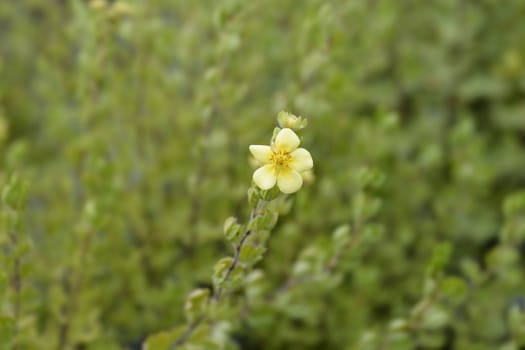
(289, 180)
(286, 140)
(261, 153)
(264, 177)
(301, 160)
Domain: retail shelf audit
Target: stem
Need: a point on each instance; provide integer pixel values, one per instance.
(238, 247)
(217, 295)
(187, 333)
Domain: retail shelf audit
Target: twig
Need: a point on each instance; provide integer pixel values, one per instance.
(217, 295)
(187, 333)
(236, 257)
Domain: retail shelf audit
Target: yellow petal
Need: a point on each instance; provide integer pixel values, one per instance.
(264, 177)
(301, 160)
(261, 153)
(286, 140)
(289, 180)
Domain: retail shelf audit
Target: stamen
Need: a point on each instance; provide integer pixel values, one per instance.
(281, 158)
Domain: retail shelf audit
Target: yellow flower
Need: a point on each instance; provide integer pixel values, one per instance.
(283, 163)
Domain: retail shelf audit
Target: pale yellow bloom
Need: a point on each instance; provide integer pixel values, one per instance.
(283, 163)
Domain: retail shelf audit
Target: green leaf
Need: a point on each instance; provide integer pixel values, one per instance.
(440, 258)
(264, 222)
(502, 257)
(250, 254)
(197, 303)
(435, 317)
(253, 196)
(341, 236)
(364, 206)
(268, 220)
(370, 178)
(271, 194)
(220, 269)
(232, 230)
(15, 193)
(514, 203)
(163, 340)
(454, 288)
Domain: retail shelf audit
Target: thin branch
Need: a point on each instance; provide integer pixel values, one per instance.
(218, 292)
(236, 257)
(187, 333)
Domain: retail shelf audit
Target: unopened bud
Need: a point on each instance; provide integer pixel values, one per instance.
(288, 120)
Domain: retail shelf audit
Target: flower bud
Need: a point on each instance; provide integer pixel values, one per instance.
(288, 120)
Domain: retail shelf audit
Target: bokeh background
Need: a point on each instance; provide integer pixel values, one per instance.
(131, 122)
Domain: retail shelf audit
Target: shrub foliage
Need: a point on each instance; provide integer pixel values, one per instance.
(124, 134)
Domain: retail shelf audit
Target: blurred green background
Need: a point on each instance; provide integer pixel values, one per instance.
(131, 122)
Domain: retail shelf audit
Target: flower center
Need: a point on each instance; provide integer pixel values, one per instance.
(281, 159)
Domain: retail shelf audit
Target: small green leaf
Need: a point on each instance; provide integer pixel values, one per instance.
(440, 258)
(271, 194)
(196, 303)
(502, 257)
(264, 222)
(370, 178)
(365, 206)
(514, 203)
(163, 340)
(253, 196)
(250, 254)
(454, 288)
(15, 193)
(398, 324)
(341, 236)
(268, 220)
(220, 269)
(232, 230)
(435, 317)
